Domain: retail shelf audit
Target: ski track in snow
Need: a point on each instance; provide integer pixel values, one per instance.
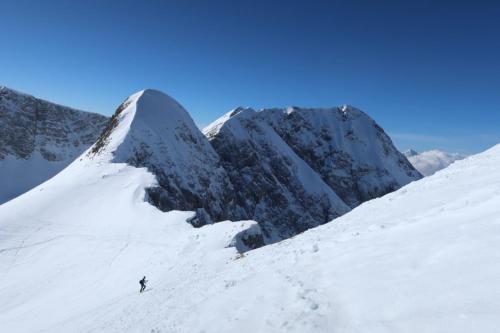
(24, 246)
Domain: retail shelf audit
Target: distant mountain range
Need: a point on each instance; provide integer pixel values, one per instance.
(289, 169)
(429, 162)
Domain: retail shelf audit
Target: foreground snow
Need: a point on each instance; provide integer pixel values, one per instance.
(78, 243)
(422, 259)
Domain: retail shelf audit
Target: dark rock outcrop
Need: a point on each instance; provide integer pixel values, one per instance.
(38, 139)
(273, 185)
(351, 152)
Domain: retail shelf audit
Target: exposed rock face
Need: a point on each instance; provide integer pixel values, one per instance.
(29, 124)
(38, 139)
(273, 185)
(353, 154)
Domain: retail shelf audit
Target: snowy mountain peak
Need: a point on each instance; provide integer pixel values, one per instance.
(214, 128)
(241, 112)
(152, 130)
(152, 101)
(238, 110)
(147, 108)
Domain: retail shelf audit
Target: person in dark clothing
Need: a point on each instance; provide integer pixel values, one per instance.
(143, 284)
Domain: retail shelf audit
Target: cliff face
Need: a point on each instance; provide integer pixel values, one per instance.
(273, 184)
(38, 139)
(297, 168)
(353, 154)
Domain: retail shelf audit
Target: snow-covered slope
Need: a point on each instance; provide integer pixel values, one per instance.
(152, 130)
(429, 162)
(353, 154)
(274, 185)
(421, 259)
(38, 139)
(83, 239)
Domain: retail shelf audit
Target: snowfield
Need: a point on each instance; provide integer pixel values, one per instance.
(422, 259)
(75, 245)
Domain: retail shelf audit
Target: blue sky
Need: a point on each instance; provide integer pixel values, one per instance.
(427, 71)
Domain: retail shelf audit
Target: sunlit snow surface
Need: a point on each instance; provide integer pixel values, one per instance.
(422, 259)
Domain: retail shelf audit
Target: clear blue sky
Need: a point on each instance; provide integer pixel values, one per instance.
(426, 71)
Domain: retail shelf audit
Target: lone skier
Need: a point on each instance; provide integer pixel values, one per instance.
(143, 284)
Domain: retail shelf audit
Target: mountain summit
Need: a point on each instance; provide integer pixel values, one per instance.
(152, 130)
